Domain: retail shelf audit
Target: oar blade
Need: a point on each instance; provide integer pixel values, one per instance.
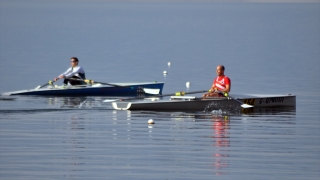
(110, 100)
(151, 91)
(121, 105)
(246, 106)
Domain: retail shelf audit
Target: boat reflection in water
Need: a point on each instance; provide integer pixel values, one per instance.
(290, 110)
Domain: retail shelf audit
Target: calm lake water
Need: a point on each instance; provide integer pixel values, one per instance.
(267, 48)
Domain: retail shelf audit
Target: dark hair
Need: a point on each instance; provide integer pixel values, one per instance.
(75, 58)
(222, 67)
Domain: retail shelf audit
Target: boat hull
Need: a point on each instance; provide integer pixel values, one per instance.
(198, 104)
(128, 89)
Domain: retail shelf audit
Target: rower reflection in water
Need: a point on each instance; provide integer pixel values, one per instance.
(220, 130)
(71, 102)
(75, 72)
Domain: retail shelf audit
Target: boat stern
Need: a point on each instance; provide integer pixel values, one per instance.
(270, 100)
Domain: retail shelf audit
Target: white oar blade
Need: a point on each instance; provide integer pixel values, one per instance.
(246, 106)
(37, 87)
(121, 105)
(110, 100)
(151, 91)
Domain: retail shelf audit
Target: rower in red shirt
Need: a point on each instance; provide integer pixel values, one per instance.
(221, 83)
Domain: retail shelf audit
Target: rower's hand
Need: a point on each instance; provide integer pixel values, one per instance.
(214, 90)
(60, 77)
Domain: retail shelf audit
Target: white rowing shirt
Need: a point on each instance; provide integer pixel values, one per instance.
(74, 71)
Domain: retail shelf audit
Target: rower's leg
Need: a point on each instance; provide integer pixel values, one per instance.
(76, 82)
(65, 82)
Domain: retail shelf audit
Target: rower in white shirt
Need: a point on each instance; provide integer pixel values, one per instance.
(75, 72)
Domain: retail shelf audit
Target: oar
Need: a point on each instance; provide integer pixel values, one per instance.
(146, 90)
(182, 93)
(49, 82)
(243, 105)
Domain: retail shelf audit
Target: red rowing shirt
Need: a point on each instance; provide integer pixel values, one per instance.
(221, 81)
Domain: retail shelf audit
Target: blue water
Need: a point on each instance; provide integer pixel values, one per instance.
(267, 48)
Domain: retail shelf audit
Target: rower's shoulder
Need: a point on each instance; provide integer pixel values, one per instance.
(226, 77)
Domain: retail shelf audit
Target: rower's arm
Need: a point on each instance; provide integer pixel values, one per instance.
(213, 88)
(227, 89)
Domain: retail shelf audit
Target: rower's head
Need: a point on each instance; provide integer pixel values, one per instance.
(74, 61)
(220, 70)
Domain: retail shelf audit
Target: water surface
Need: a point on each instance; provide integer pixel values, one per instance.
(267, 48)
